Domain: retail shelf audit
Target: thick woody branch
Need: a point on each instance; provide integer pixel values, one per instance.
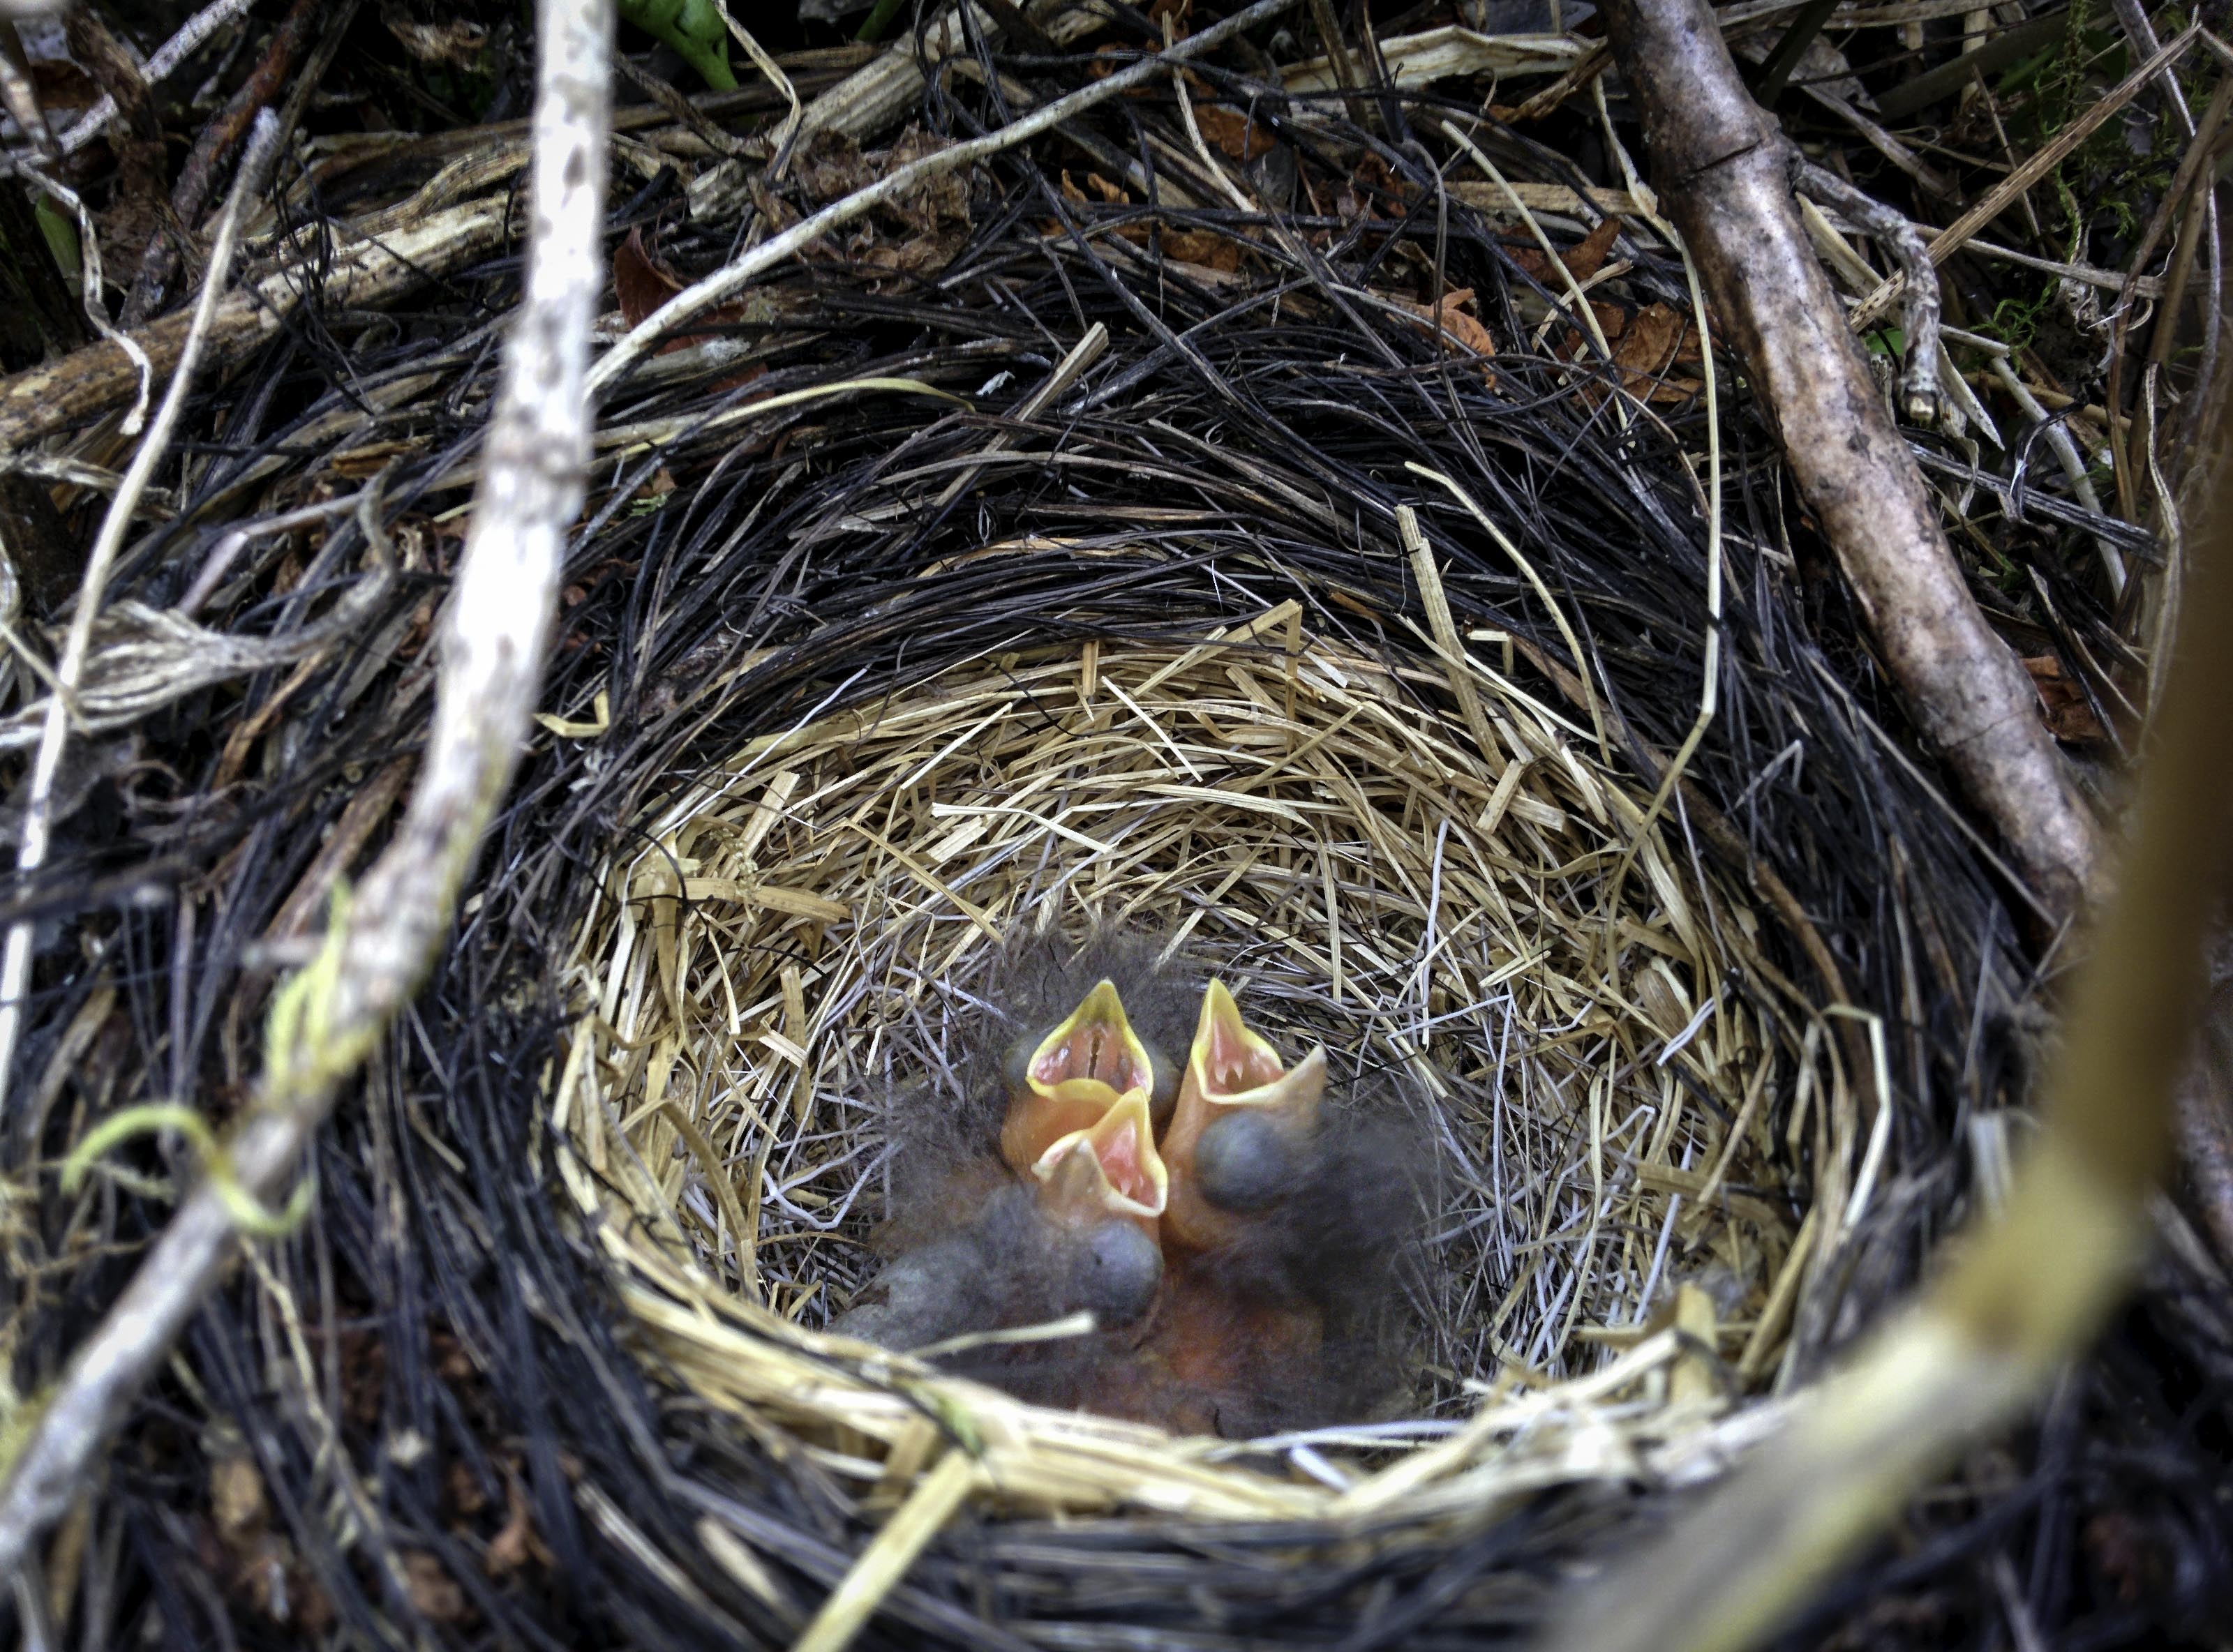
(325, 1020)
(1725, 173)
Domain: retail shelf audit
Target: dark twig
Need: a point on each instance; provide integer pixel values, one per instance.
(197, 176)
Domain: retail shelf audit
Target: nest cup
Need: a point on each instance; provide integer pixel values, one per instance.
(1421, 866)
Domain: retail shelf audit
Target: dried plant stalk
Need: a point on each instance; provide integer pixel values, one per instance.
(327, 1020)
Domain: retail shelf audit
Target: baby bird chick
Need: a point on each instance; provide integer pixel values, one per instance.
(1078, 1235)
(1241, 1131)
(1101, 1193)
(1070, 1078)
(1236, 1351)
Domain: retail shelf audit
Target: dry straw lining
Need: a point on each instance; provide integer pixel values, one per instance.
(787, 941)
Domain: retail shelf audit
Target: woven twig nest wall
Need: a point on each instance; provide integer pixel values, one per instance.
(791, 939)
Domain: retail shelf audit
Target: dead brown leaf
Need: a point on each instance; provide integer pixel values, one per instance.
(828, 164)
(2063, 702)
(933, 204)
(1369, 180)
(1237, 134)
(2127, 1554)
(467, 1495)
(1648, 343)
(1459, 329)
(1645, 343)
(519, 1542)
(1204, 247)
(1583, 259)
(452, 1362)
(432, 1590)
(917, 255)
(642, 284)
(1587, 256)
(1653, 341)
(921, 228)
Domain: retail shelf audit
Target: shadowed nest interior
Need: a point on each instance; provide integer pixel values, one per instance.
(1288, 631)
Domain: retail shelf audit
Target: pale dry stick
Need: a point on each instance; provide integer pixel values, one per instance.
(21, 100)
(1725, 178)
(46, 763)
(777, 78)
(2085, 274)
(1589, 72)
(1443, 625)
(327, 1020)
(1232, 192)
(733, 277)
(1647, 201)
(1950, 240)
(1904, 245)
(2026, 1292)
(96, 308)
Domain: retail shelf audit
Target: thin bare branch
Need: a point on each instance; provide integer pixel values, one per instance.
(326, 1019)
(31, 853)
(647, 334)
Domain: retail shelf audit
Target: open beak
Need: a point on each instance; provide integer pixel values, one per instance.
(1073, 1078)
(1110, 1168)
(1231, 1067)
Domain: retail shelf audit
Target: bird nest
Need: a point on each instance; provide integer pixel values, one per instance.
(1405, 858)
(1296, 595)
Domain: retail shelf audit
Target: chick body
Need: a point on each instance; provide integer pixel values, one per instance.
(1249, 1290)
(1259, 1117)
